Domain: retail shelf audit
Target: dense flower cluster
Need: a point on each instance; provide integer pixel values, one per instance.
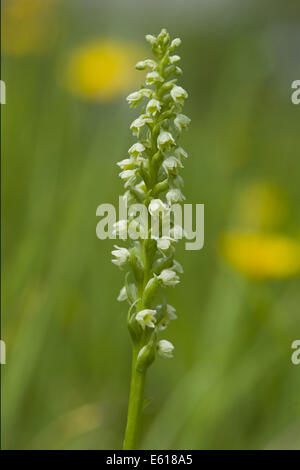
(151, 177)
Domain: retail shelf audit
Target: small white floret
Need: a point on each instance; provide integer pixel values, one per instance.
(121, 254)
(165, 140)
(146, 317)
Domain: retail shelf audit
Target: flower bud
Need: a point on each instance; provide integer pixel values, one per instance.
(175, 43)
(174, 59)
(163, 243)
(163, 37)
(140, 65)
(143, 64)
(151, 40)
(168, 277)
(178, 94)
(165, 348)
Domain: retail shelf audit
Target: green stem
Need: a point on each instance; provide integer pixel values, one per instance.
(137, 385)
(135, 407)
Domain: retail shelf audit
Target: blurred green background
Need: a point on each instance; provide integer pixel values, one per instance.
(68, 66)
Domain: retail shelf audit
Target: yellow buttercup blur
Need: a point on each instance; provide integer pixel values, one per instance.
(101, 70)
(262, 256)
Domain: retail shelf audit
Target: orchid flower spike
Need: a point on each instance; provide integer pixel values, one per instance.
(151, 179)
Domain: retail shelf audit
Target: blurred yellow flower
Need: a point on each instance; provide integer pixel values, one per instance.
(262, 206)
(262, 256)
(27, 26)
(101, 70)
